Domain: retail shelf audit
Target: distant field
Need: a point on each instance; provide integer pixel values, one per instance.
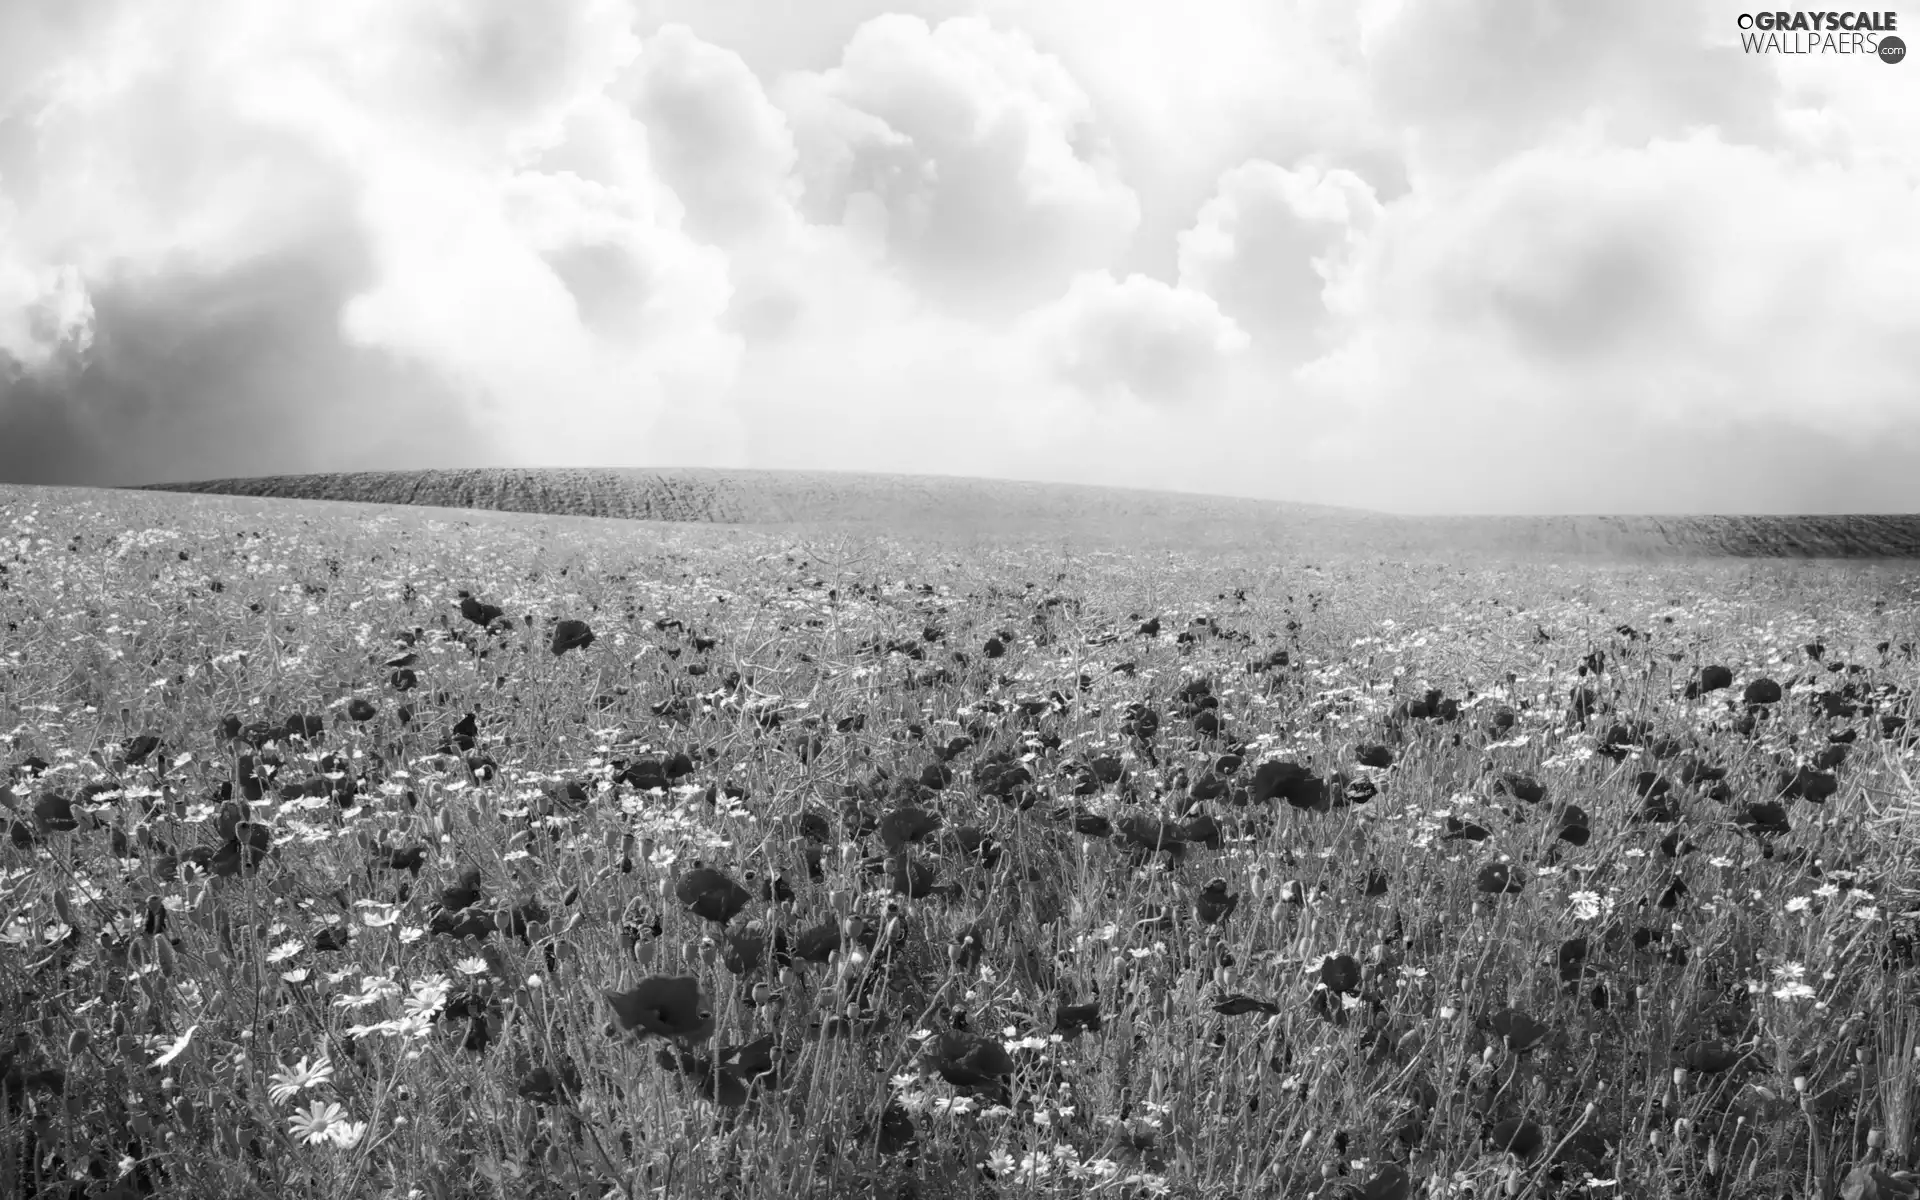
(942, 507)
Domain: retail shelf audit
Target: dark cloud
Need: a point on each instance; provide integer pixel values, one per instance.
(238, 373)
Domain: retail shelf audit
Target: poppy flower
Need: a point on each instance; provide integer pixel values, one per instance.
(478, 611)
(1145, 833)
(1390, 1182)
(1520, 1031)
(1237, 1005)
(1213, 904)
(907, 824)
(1524, 788)
(53, 813)
(306, 725)
(411, 858)
(818, 943)
(1373, 755)
(1765, 817)
(969, 1060)
(1572, 959)
(1496, 879)
(463, 891)
(570, 634)
(742, 950)
(135, 750)
(1341, 974)
(1071, 1020)
(251, 842)
(711, 894)
(1711, 678)
(360, 709)
(1469, 831)
(670, 1006)
(1761, 691)
(1706, 1057)
(914, 878)
(1518, 1136)
(896, 1129)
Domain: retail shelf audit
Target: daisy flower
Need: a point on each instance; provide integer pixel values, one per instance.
(307, 1073)
(316, 1123)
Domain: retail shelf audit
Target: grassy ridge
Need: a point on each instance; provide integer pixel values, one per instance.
(932, 505)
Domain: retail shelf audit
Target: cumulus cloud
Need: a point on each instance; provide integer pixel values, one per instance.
(977, 158)
(1135, 338)
(1270, 241)
(1470, 254)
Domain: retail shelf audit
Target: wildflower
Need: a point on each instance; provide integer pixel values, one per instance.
(176, 1049)
(316, 1123)
(1798, 904)
(285, 950)
(373, 989)
(1585, 905)
(429, 996)
(307, 1073)
(471, 965)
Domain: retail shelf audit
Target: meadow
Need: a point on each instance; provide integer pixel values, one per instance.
(357, 852)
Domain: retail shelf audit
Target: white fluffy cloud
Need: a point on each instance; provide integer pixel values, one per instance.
(1473, 254)
(978, 159)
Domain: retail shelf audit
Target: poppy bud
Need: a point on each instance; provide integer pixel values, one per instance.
(1800, 1084)
(1681, 1128)
(761, 993)
(1679, 1077)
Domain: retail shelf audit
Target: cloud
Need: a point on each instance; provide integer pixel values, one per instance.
(714, 137)
(1135, 338)
(1268, 242)
(1470, 254)
(976, 158)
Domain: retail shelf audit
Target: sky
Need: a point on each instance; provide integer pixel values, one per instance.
(1463, 256)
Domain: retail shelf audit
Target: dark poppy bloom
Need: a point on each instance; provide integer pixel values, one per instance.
(411, 858)
(1573, 826)
(250, 844)
(1520, 1031)
(53, 813)
(1341, 974)
(914, 878)
(1238, 1005)
(463, 891)
(1760, 692)
(711, 894)
(1706, 1057)
(545, 1085)
(1805, 783)
(1146, 833)
(1765, 817)
(1521, 787)
(1213, 903)
(136, 750)
(907, 824)
(1373, 755)
(743, 950)
(1496, 879)
(1468, 831)
(478, 611)
(570, 635)
(1072, 1020)
(359, 709)
(305, 725)
(969, 1060)
(1518, 1136)
(670, 1006)
(1390, 1182)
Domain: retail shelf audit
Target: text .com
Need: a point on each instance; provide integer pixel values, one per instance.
(1864, 33)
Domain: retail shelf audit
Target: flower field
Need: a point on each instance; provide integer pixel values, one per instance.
(415, 857)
